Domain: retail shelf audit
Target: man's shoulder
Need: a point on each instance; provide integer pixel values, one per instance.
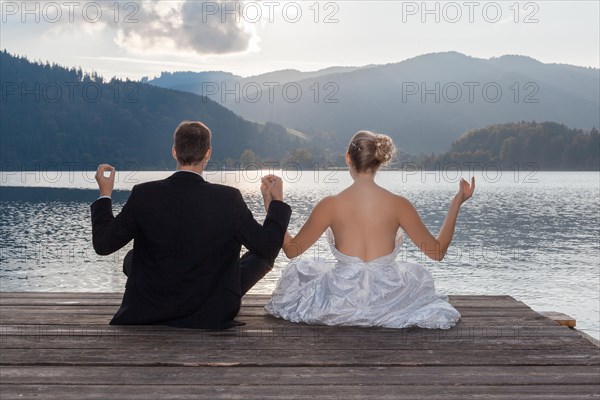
(224, 190)
(150, 186)
(164, 184)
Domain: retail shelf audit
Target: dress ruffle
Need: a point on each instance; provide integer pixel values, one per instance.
(349, 291)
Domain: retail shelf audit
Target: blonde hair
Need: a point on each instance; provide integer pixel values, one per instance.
(368, 151)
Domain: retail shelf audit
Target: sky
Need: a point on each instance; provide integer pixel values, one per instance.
(130, 39)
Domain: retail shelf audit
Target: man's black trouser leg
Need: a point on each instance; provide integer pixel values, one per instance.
(253, 269)
(128, 262)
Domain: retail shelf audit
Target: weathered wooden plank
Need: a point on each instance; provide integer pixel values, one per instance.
(207, 376)
(177, 356)
(28, 310)
(276, 330)
(301, 392)
(284, 329)
(455, 300)
(97, 317)
(266, 323)
(43, 298)
(102, 319)
(130, 343)
(560, 318)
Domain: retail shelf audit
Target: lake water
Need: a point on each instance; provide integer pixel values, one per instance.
(532, 235)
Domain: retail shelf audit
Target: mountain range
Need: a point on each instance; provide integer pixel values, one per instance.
(424, 103)
(52, 117)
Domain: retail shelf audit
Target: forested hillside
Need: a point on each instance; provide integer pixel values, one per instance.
(58, 118)
(546, 145)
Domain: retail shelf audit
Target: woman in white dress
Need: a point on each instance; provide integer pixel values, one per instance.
(364, 285)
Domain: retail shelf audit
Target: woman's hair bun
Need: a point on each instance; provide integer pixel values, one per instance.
(385, 149)
(368, 151)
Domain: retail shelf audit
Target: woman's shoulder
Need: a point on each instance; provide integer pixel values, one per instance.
(400, 200)
(328, 201)
(376, 192)
(324, 208)
(393, 198)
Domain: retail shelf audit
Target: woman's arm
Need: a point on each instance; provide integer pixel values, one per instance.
(311, 231)
(414, 227)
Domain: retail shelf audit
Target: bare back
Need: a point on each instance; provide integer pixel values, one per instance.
(364, 221)
(365, 218)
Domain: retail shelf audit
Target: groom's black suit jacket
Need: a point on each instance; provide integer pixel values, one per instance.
(187, 240)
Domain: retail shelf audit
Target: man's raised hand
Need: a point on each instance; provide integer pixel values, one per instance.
(106, 184)
(265, 190)
(271, 189)
(276, 187)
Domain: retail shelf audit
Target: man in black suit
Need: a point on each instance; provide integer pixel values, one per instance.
(185, 268)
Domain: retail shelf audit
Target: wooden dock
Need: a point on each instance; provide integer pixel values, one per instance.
(59, 346)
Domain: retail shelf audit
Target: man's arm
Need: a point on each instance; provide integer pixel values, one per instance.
(263, 240)
(110, 233)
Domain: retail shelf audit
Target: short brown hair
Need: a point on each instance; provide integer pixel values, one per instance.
(192, 141)
(368, 151)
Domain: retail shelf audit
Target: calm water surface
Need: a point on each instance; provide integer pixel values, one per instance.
(534, 236)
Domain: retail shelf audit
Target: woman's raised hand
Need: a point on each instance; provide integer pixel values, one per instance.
(465, 191)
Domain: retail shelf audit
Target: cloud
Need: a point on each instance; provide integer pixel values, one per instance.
(201, 27)
(164, 27)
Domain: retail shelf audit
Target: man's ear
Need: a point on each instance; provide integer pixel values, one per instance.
(173, 152)
(207, 155)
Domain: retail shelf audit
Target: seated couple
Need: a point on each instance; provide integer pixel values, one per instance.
(185, 268)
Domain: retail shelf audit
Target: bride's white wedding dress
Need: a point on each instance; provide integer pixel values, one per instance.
(349, 291)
